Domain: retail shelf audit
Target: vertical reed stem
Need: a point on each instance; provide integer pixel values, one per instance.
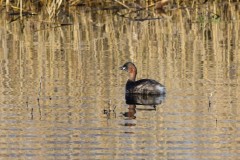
(21, 9)
(7, 5)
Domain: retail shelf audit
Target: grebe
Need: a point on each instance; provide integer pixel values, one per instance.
(142, 86)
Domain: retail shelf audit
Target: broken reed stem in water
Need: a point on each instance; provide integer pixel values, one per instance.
(40, 87)
(39, 92)
(32, 113)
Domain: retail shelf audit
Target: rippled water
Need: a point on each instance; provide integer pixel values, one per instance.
(62, 93)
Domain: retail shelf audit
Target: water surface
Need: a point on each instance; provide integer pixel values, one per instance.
(62, 93)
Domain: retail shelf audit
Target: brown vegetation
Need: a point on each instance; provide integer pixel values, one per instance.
(53, 8)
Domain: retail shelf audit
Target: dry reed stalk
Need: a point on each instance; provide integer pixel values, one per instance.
(7, 5)
(124, 5)
(21, 9)
(53, 7)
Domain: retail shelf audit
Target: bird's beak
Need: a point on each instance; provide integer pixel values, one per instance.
(122, 68)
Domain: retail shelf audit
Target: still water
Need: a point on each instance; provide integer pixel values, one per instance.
(62, 93)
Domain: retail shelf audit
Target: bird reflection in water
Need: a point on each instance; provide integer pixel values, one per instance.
(133, 100)
(139, 99)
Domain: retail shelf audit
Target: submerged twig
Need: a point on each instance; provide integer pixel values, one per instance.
(40, 87)
(27, 103)
(209, 100)
(39, 109)
(32, 114)
(109, 110)
(39, 92)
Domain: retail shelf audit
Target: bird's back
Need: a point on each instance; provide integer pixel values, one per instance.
(145, 86)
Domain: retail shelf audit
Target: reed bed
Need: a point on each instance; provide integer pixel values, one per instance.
(53, 8)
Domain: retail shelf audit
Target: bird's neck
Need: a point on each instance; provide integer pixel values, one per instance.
(132, 76)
